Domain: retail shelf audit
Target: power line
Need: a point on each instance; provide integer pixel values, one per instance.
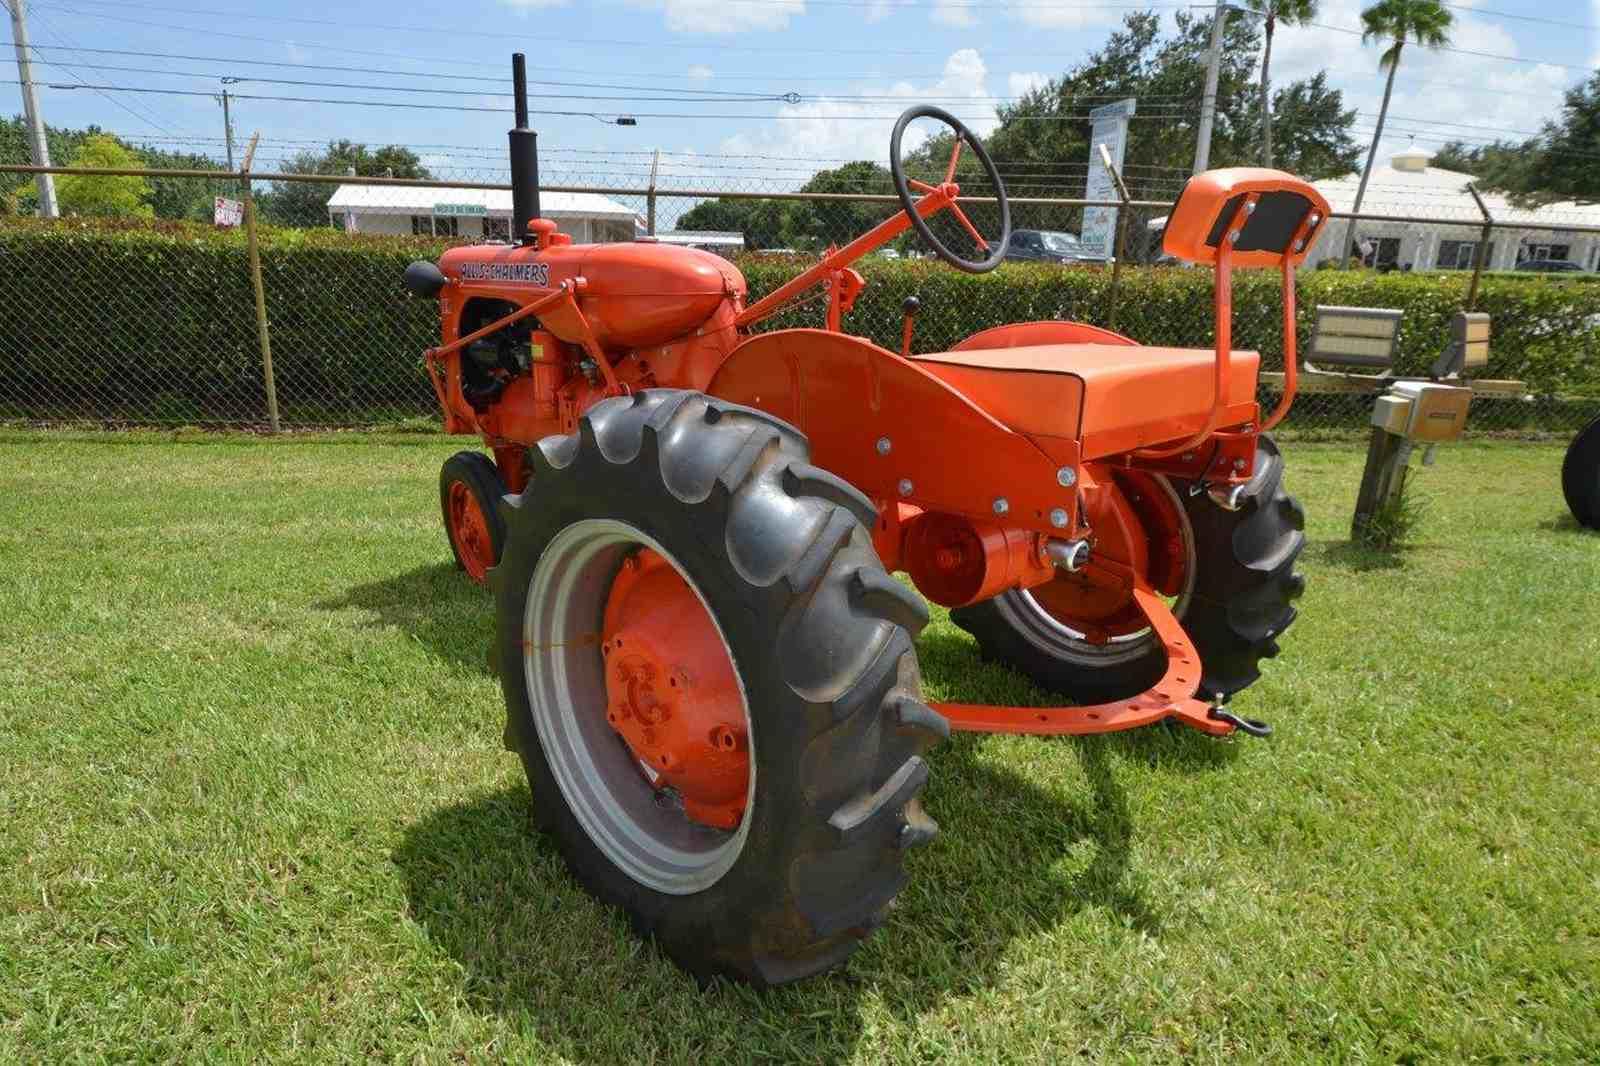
(1463, 51)
(458, 31)
(1520, 18)
(142, 116)
(407, 105)
(679, 95)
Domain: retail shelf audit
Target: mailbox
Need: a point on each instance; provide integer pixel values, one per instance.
(1423, 412)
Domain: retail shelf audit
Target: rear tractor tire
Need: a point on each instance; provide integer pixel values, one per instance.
(469, 495)
(1580, 476)
(711, 682)
(1239, 586)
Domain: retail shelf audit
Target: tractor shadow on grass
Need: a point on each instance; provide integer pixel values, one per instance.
(1566, 523)
(1016, 859)
(436, 605)
(1356, 558)
(1021, 853)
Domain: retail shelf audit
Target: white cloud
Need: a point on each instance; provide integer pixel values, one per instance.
(956, 13)
(716, 16)
(835, 129)
(1057, 15)
(1596, 60)
(522, 7)
(878, 10)
(1438, 95)
(295, 52)
(700, 72)
(1022, 83)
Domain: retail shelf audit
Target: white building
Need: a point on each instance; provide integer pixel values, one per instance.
(1409, 186)
(725, 243)
(404, 210)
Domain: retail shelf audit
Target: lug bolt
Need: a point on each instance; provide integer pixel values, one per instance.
(1238, 464)
(1058, 518)
(1001, 505)
(1066, 477)
(884, 445)
(905, 486)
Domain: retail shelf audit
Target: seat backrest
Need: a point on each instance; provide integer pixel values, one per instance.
(1354, 336)
(1288, 216)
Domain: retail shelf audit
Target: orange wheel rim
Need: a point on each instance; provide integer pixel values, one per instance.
(672, 694)
(469, 532)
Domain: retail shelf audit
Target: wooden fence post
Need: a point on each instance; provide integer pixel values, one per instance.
(263, 334)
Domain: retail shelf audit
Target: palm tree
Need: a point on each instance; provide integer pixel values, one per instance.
(1290, 13)
(1401, 21)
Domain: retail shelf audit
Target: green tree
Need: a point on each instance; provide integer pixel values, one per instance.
(1559, 164)
(104, 196)
(723, 216)
(1401, 22)
(1314, 128)
(305, 203)
(1290, 13)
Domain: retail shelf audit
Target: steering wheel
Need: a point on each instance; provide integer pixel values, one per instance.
(903, 186)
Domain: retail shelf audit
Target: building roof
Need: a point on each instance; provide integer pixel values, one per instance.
(1407, 186)
(494, 203)
(730, 238)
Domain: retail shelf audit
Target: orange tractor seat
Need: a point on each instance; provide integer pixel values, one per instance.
(1111, 397)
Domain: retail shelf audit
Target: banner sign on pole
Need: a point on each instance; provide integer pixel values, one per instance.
(1110, 128)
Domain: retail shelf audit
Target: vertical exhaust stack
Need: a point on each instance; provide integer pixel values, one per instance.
(524, 156)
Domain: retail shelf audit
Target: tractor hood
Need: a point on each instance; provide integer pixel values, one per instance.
(635, 295)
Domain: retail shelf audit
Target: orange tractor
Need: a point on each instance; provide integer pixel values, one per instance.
(690, 530)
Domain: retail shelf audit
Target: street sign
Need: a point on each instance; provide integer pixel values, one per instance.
(447, 210)
(228, 212)
(1110, 128)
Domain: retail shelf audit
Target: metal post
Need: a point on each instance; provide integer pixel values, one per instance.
(262, 333)
(1208, 103)
(1121, 249)
(30, 108)
(1382, 479)
(650, 195)
(1482, 257)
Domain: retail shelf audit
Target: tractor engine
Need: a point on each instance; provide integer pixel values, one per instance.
(639, 313)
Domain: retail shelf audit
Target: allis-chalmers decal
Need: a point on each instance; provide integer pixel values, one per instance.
(537, 273)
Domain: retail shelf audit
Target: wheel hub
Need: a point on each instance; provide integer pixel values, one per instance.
(470, 531)
(671, 692)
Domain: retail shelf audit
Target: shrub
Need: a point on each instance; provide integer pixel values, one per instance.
(110, 320)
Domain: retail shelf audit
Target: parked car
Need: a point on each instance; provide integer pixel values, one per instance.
(1048, 246)
(1551, 266)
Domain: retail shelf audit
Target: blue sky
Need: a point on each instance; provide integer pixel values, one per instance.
(854, 64)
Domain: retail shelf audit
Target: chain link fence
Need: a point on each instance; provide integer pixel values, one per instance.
(155, 322)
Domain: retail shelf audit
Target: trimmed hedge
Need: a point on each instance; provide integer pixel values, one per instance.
(1546, 329)
(114, 322)
(117, 322)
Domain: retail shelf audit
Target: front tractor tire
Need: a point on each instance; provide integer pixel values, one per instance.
(469, 495)
(1237, 599)
(678, 564)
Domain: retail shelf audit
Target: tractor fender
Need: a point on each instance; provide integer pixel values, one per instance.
(898, 432)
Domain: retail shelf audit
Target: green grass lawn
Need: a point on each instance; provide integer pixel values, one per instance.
(255, 805)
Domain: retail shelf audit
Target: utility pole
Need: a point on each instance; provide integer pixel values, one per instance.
(227, 127)
(1208, 105)
(650, 197)
(45, 183)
